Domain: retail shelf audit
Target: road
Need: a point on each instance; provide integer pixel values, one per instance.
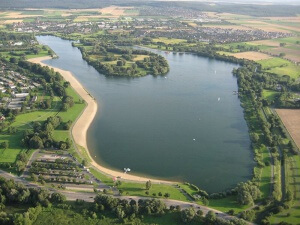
(89, 197)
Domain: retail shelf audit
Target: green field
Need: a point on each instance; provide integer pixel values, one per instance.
(169, 41)
(289, 40)
(105, 179)
(291, 215)
(270, 95)
(265, 183)
(291, 70)
(281, 67)
(139, 189)
(22, 122)
(225, 204)
(273, 62)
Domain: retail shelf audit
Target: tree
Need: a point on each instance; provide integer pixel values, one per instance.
(247, 193)
(167, 195)
(210, 217)
(4, 144)
(34, 177)
(20, 166)
(120, 213)
(148, 184)
(118, 183)
(83, 162)
(57, 198)
(282, 54)
(248, 215)
(282, 44)
(187, 215)
(13, 60)
(205, 201)
(36, 142)
(231, 212)
(120, 63)
(254, 137)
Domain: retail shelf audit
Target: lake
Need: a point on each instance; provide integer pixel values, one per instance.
(184, 126)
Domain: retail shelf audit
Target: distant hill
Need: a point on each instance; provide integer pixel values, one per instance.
(65, 4)
(259, 10)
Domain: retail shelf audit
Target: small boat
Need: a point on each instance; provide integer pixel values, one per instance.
(219, 99)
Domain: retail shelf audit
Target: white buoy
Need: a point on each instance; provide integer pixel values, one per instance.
(219, 99)
(194, 139)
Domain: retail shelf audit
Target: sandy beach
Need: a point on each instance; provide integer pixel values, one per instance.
(79, 129)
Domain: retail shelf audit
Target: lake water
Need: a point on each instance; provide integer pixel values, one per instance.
(185, 126)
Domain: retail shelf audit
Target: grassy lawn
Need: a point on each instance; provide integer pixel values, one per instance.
(23, 122)
(280, 66)
(188, 189)
(270, 95)
(265, 183)
(61, 135)
(273, 62)
(105, 179)
(294, 183)
(139, 189)
(41, 54)
(75, 111)
(225, 204)
(169, 41)
(9, 155)
(291, 70)
(289, 40)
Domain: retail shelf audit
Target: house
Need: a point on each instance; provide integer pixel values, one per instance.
(21, 95)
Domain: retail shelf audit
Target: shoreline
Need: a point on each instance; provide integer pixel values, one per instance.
(85, 119)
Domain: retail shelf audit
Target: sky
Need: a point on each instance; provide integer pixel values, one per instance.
(246, 1)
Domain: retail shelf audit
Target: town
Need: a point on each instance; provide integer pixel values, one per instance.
(15, 89)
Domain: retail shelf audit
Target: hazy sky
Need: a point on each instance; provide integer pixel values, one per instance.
(246, 1)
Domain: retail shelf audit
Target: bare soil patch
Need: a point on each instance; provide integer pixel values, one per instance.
(291, 120)
(115, 10)
(234, 27)
(291, 54)
(251, 55)
(12, 21)
(266, 42)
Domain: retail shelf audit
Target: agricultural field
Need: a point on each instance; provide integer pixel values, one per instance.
(169, 40)
(291, 120)
(272, 24)
(78, 15)
(255, 56)
(281, 67)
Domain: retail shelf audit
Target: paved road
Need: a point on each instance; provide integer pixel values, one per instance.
(89, 197)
